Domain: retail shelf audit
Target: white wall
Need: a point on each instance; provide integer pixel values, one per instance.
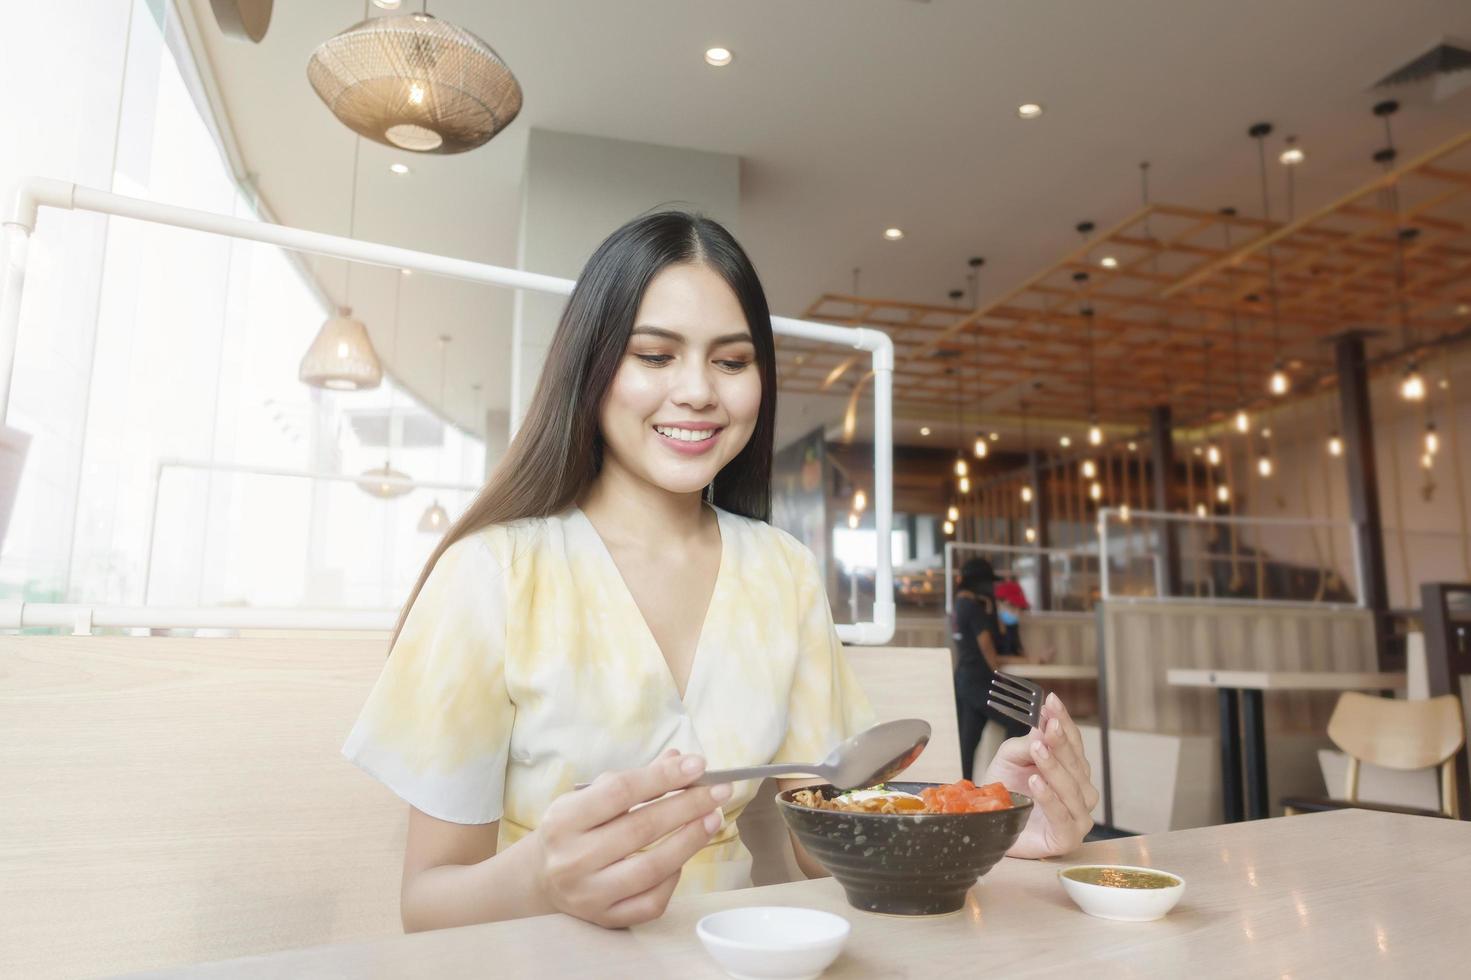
(577, 191)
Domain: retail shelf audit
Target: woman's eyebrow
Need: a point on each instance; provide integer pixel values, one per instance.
(667, 334)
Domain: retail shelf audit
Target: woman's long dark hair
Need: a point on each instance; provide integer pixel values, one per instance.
(558, 450)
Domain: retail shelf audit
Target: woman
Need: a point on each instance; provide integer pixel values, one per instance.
(590, 617)
(983, 644)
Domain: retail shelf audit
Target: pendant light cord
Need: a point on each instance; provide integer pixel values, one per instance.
(1386, 157)
(352, 217)
(1261, 147)
(1235, 321)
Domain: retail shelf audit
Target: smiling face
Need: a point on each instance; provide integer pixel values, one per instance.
(686, 396)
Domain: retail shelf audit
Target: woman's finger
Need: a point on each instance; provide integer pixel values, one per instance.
(615, 793)
(644, 907)
(643, 870)
(1062, 748)
(1059, 818)
(1060, 781)
(634, 831)
(1061, 713)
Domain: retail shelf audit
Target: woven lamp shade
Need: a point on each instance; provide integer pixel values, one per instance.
(414, 82)
(434, 520)
(374, 485)
(342, 357)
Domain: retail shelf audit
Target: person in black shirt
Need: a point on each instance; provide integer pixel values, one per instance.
(976, 636)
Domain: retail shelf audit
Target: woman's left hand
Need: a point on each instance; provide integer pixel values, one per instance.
(1048, 765)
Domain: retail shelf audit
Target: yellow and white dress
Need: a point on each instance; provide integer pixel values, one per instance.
(525, 667)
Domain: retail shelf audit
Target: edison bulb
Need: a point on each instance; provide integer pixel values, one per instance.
(953, 513)
(1095, 435)
(1279, 384)
(1096, 490)
(960, 468)
(860, 501)
(1026, 495)
(852, 519)
(1090, 469)
(1432, 441)
(1264, 465)
(1243, 421)
(1213, 455)
(1031, 535)
(1223, 493)
(1335, 445)
(1412, 388)
(1124, 513)
(1065, 441)
(949, 527)
(965, 484)
(1200, 510)
(980, 448)
(416, 94)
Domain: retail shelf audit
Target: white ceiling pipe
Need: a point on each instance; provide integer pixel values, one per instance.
(36, 192)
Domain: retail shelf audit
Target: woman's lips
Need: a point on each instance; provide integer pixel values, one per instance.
(687, 447)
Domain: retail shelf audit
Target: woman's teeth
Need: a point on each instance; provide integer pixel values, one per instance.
(686, 435)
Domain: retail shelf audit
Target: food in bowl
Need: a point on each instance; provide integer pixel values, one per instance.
(904, 861)
(1122, 892)
(958, 797)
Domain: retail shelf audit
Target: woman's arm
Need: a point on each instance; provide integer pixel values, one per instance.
(586, 859)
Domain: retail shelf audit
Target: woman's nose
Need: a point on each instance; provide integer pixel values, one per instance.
(692, 386)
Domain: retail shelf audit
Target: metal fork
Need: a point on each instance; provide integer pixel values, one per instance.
(1018, 698)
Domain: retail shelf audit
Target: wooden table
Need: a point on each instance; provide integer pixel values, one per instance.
(1348, 893)
(1052, 672)
(1242, 733)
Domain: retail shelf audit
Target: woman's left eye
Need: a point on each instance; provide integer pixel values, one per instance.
(655, 359)
(733, 365)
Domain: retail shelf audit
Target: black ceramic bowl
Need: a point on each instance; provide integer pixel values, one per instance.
(905, 863)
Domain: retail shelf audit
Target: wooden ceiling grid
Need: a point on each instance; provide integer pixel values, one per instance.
(1183, 315)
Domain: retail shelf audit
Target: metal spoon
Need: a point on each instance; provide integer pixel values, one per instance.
(875, 755)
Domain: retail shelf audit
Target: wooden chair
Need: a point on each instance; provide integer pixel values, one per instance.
(901, 682)
(1404, 735)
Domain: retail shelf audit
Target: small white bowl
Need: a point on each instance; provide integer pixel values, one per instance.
(1123, 904)
(773, 942)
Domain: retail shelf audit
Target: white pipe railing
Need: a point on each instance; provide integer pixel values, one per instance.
(37, 192)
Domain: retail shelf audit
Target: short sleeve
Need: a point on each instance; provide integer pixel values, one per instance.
(826, 704)
(436, 728)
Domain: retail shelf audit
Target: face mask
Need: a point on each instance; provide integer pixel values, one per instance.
(1008, 617)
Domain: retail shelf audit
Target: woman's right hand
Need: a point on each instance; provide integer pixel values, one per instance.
(593, 863)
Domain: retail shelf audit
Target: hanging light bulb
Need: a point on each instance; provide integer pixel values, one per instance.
(860, 501)
(1096, 490)
(1213, 454)
(960, 468)
(852, 519)
(1412, 388)
(953, 513)
(1432, 439)
(965, 484)
(1335, 445)
(434, 520)
(1031, 535)
(1427, 460)
(980, 448)
(1095, 434)
(1223, 493)
(1279, 384)
(1027, 494)
(949, 527)
(1124, 513)
(1264, 464)
(1065, 441)
(1090, 469)
(1243, 421)
(1200, 510)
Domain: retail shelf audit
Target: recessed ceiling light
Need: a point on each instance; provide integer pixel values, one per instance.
(387, 4)
(1029, 110)
(924, 430)
(718, 57)
(407, 272)
(398, 168)
(893, 234)
(1109, 262)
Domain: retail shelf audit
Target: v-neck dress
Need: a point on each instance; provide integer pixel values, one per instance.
(525, 667)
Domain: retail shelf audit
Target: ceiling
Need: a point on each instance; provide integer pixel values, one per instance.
(849, 116)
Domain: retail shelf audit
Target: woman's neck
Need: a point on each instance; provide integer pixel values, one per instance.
(620, 504)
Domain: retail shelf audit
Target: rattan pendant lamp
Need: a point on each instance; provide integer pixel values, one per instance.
(342, 358)
(414, 82)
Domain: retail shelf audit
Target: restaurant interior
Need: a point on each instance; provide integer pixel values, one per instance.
(1164, 311)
